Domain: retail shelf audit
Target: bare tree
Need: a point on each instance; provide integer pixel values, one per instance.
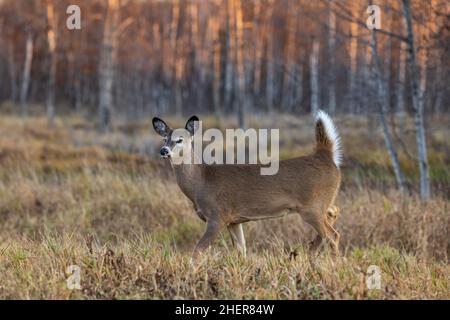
(51, 40)
(382, 101)
(331, 59)
(12, 71)
(417, 95)
(241, 103)
(270, 76)
(26, 74)
(353, 51)
(290, 59)
(177, 62)
(216, 53)
(229, 52)
(314, 74)
(220, 55)
(400, 108)
(106, 66)
(257, 53)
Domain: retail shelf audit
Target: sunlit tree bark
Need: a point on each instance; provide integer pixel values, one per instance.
(353, 52)
(51, 40)
(242, 102)
(331, 59)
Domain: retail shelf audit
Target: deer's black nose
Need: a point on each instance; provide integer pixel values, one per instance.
(164, 151)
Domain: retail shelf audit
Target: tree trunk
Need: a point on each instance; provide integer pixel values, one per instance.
(290, 69)
(106, 66)
(331, 60)
(418, 103)
(178, 88)
(216, 57)
(198, 60)
(382, 103)
(314, 74)
(51, 39)
(12, 71)
(401, 81)
(387, 73)
(368, 93)
(270, 76)
(298, 87)
(241, 104)
(229, 52)
(26, 75)
(257, 54)
(352, 88)
(176, 57)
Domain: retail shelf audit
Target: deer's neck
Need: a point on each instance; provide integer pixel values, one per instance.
(189, 175)
(188, 178)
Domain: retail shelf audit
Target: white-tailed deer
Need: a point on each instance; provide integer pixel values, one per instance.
(229, 195)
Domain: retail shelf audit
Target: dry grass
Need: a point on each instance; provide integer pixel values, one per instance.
(70, 196)
(139, 267)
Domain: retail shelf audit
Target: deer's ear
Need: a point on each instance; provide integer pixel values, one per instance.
(160, 127)
(190, 124)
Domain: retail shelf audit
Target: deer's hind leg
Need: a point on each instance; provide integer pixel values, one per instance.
(237, 236)
(333, 236)
(324, 229)
(332, 214)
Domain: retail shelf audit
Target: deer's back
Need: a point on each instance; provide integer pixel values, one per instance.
(241, 189)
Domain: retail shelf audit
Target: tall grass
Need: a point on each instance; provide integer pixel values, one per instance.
(103, 202)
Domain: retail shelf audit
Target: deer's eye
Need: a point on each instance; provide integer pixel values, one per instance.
(179, 140)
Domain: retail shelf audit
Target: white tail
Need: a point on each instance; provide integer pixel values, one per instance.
(332, 135)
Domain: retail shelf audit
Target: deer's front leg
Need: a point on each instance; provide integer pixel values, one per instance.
(237, 236)
(213, 228)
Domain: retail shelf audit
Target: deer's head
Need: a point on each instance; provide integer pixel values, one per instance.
(177, 142)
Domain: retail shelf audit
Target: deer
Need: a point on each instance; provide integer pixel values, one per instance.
(228, 195)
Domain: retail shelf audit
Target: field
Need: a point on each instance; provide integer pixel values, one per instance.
(107, 204)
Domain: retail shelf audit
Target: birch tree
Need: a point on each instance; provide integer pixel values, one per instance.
(12, 71)
(229, 52)
(382, 101)
(400, 90)
(417, 96)
(314, 74)
(241, 103)
(257, 51)
(353, 52)
(176, 59)
(270, 76)
(216, 56)
(331, 59)
(51, 40)
(290, 65)
(26, 74)
(106, 65)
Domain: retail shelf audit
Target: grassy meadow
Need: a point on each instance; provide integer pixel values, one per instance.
(108, 204)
